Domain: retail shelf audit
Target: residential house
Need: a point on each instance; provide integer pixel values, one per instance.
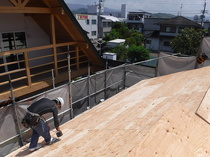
(135, 20)
(95, 23)
(39, 41)
(89, 23)
(107, 23)
(151, 32)
(170, 28)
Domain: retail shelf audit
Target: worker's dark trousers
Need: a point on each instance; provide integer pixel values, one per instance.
(41, 129)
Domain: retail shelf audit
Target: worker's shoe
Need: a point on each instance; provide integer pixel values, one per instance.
(52, 140)
(35, 148)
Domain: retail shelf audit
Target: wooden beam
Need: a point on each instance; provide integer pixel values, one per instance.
(24, 3)
(35, 48)
(24, 90)
(14, 2)
(77, 57)
(28, 73)
(19, 2)
(37, 10)
(53, 38)
(58, 10)
(66, 28)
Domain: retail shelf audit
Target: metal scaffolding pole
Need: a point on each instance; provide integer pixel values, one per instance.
(70, 84)
(88, 107)
(14, 110)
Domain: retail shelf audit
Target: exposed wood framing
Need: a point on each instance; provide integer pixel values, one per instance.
(53, 38)
(40, 85)
(19, 3)
(14, 2)
(58, 10)
(154, 118)
(77, 57)
(37, 10)
(35, 48)
(24, 3)
(27, 68)
(65, 27)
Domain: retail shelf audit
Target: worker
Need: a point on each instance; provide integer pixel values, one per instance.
(34, 120)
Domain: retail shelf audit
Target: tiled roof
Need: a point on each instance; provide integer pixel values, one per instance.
(179, 20)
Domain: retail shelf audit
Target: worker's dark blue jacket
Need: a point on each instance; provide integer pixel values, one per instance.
(43, 106)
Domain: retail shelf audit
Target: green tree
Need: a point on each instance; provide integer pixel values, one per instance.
(121, 31)
(135, 38)
(121, 52)
(112, 35)
(188, 41)
(138, 53)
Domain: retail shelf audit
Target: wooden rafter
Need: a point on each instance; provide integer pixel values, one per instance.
(24, 3)
(14, 2)
(19, 3)
(65, 27)
(37, 10)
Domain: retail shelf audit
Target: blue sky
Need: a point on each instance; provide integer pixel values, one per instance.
(185, 7)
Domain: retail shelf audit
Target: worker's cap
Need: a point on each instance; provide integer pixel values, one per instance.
(60, 100)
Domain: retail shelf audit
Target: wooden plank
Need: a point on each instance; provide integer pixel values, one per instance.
(10, 63)
(13, 80)
(24, 3)
(28, 73)
(12, 71)
(36, 48)
(14, 2)
(174, 135)
(69, 31)
(204, 109)
(155, 117)
(77, 57)
(53, 40)
(24, 90)
(37, 10)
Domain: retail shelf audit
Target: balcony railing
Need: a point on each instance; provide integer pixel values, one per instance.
(34, 64)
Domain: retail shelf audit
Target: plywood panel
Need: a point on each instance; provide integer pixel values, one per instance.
(155, 117)
(176, 134)
(204, 108)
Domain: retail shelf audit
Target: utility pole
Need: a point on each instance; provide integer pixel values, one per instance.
(203, 13)
(100, 30)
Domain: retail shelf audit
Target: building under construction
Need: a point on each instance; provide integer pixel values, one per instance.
(129, 110)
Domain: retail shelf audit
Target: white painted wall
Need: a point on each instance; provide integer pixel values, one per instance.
(88, 27)
(154, 44)
(35, 36)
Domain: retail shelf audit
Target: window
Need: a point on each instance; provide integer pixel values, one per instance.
(88, 21)
(94, 22)
(13, 41)
(148, 42)
(168, 29)
(93, 33)
(166, 43)
(104, 24)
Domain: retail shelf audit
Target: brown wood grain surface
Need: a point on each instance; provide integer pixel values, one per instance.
(156, 117)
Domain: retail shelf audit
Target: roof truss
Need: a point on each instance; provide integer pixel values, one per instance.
(19, 6)
(19, 3)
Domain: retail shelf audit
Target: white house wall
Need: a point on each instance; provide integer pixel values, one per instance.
(165, 48)
(88, 27)
(154, 46)
(35, 36)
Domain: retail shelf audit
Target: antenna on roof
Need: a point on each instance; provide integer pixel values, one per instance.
(179, 14)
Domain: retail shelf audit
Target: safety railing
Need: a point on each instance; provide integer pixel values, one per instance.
(26, 66)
